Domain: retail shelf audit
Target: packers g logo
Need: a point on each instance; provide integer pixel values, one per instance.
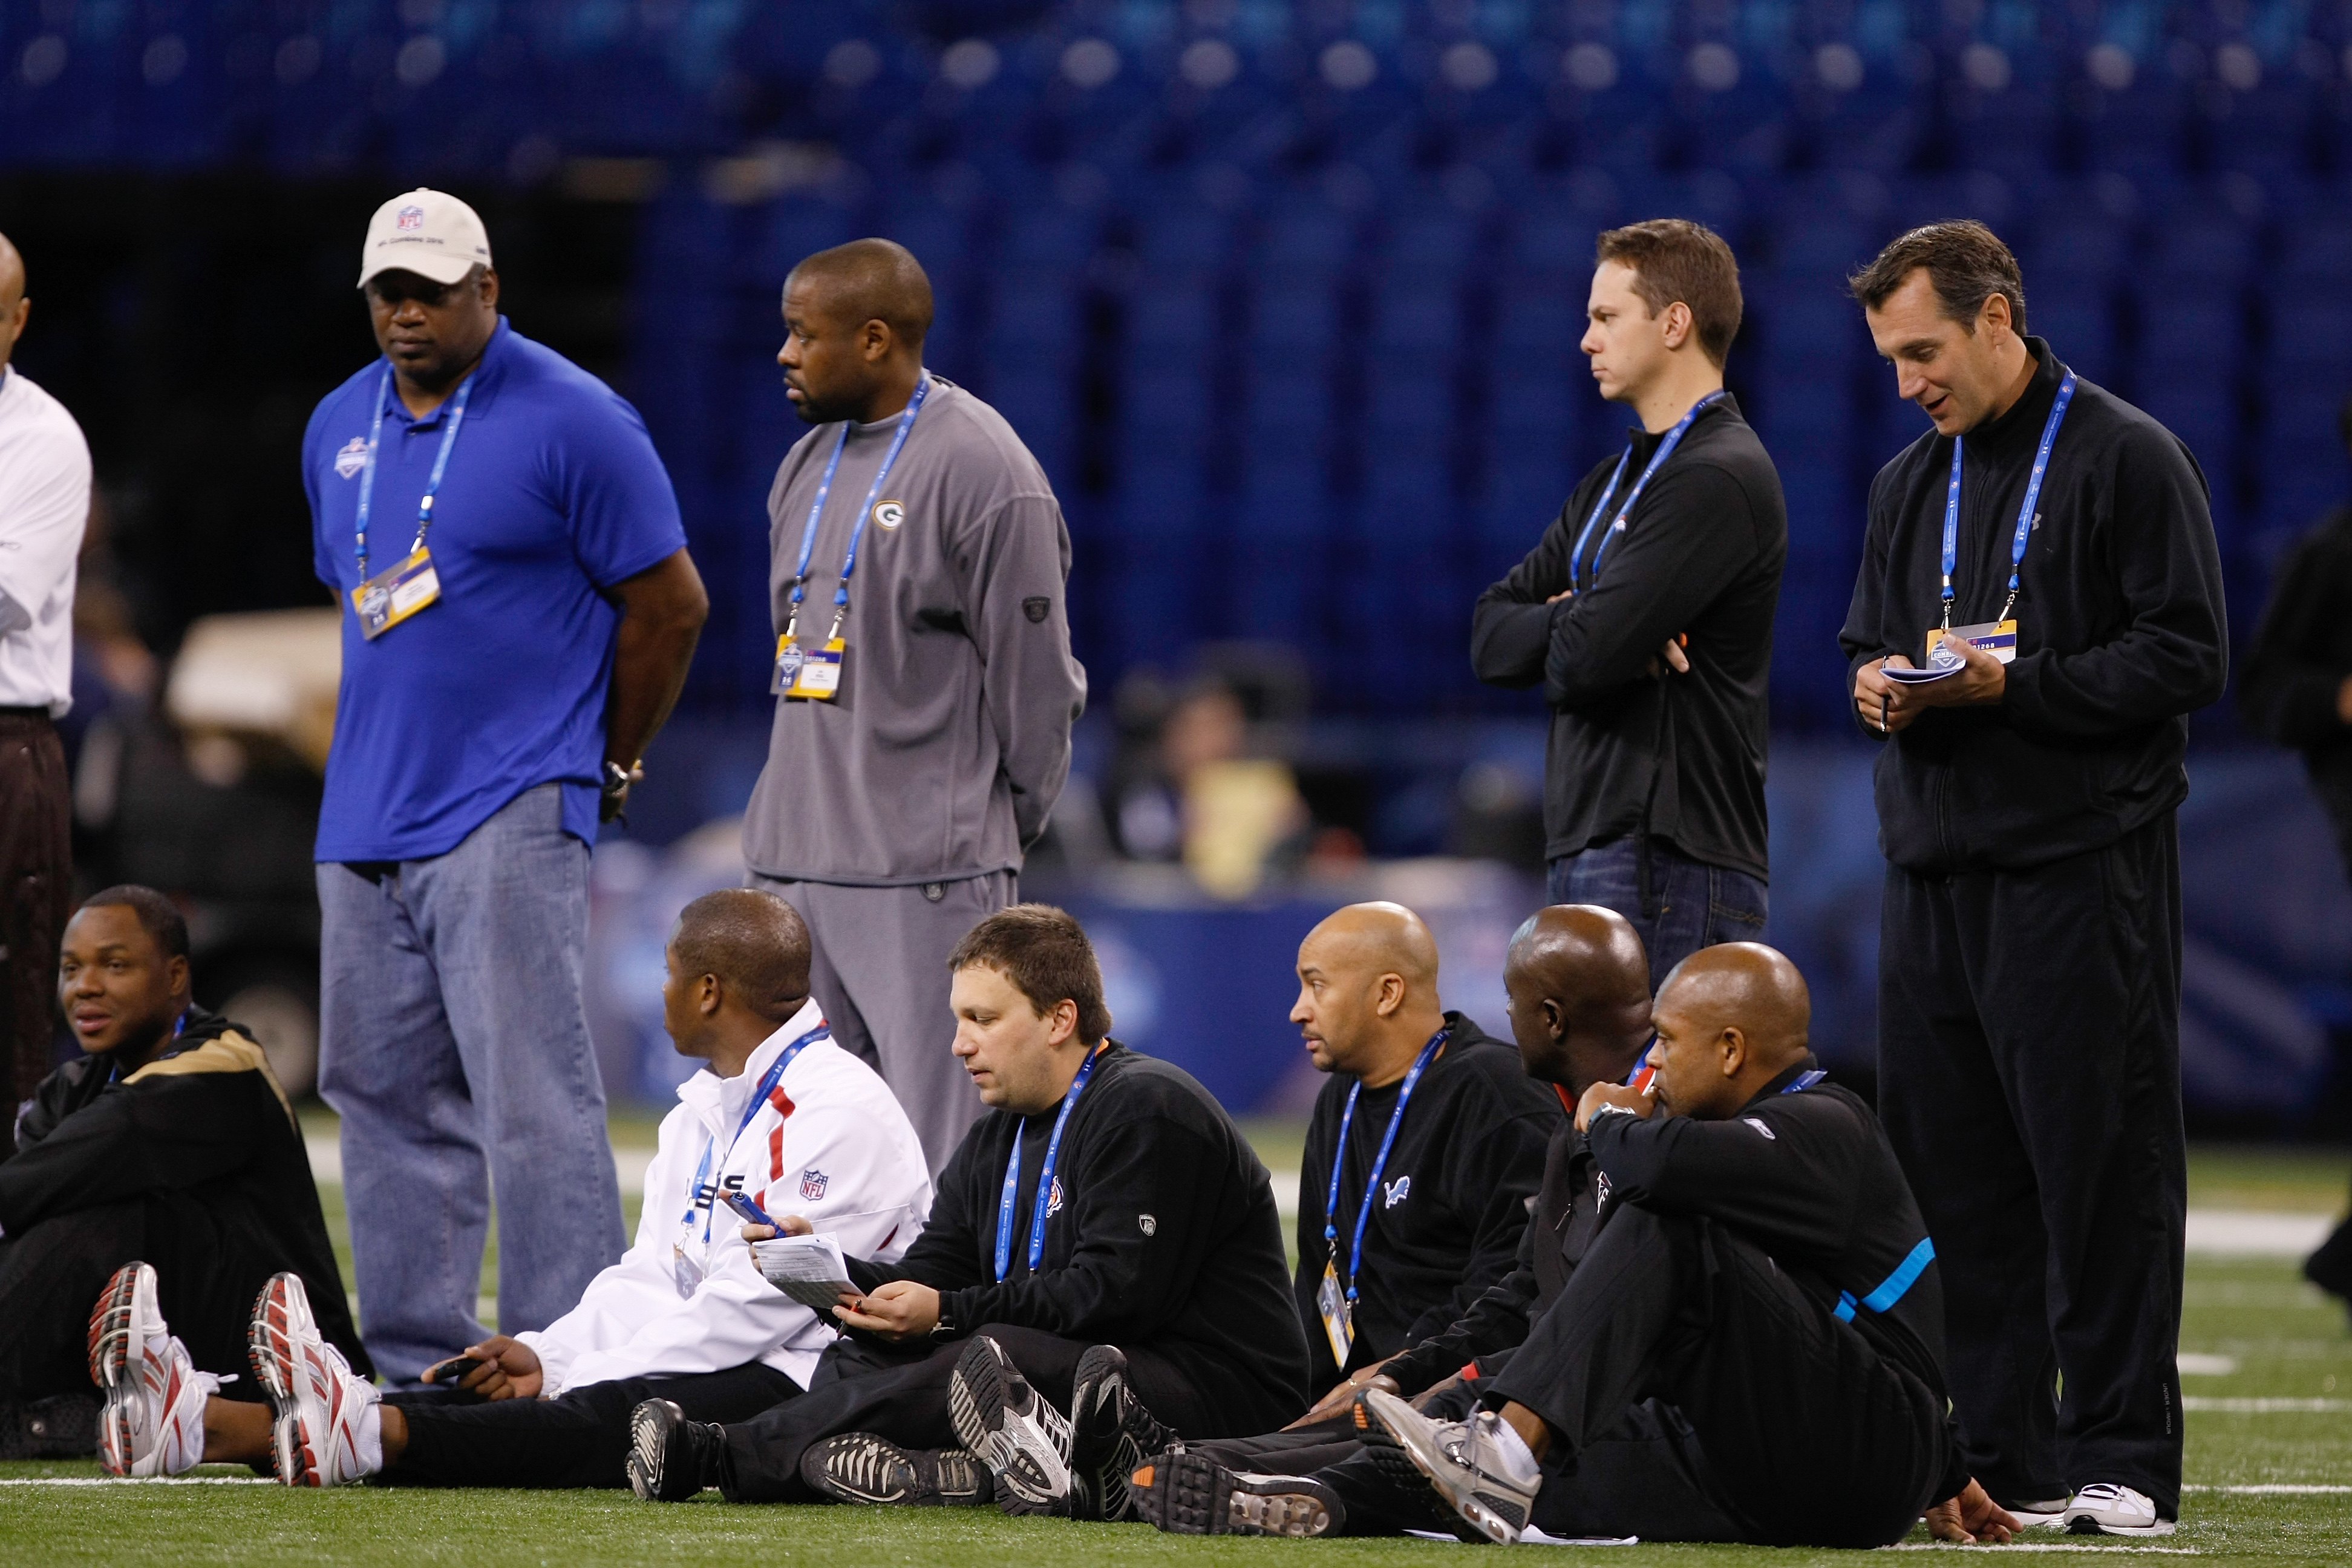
(889, 513)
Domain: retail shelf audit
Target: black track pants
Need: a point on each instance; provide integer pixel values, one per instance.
(51, 1275)
(903, 1396)
(1812, 1437)
(580, 1439)
(2029, 1073)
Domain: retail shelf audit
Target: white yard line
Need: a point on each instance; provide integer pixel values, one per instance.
(2041, 1546)
(2274, 1488)
(138, 1481)
(2264, 1406)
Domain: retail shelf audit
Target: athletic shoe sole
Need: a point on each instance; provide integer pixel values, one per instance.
(1191, 1494)
(116, 1345)
(1409, 1482)
(860, 1467)
(2085, 1524)
(1111, 1435)
(1005, 1421)
(1491, 1516)
(651, 1425)
(280, 1315)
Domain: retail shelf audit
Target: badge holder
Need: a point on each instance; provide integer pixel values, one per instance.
(1339, 1319)
(809, 674)
(1998, 638)
(390, 597)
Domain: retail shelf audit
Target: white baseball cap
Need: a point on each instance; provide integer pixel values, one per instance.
(428, 232)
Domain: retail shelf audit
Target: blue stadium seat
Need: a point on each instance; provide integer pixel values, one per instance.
(1296, 316)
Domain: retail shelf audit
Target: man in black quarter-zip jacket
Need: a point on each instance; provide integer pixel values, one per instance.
(2029, 1005)
(1644, 613)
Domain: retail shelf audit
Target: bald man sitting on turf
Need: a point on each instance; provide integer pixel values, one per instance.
(1576, 981)
(1761, 1270)
(779, 1114)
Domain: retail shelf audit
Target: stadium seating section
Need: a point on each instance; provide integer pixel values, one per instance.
(1286, 297)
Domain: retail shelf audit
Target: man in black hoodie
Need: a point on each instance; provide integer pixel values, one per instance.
(2038, 609)
(1105, 1201)
(1645, 614)
(168, 1143)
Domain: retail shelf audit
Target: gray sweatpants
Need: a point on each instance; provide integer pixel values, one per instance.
(878, 965)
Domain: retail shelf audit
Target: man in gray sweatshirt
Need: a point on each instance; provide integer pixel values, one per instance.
(924, 680)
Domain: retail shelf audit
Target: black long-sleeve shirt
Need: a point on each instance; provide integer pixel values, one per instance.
(2301, 657)
(1809, 1176)
(1455, 1194)
(2121, 632)
(1166, 1238)
(206, 1121)
(1681, 756)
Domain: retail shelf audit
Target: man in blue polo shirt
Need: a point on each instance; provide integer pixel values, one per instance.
(518, 612)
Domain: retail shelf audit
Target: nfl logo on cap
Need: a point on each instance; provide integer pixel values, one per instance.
(410, 219)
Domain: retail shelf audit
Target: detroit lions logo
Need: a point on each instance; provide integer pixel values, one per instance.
(813, 1184)
(1398, 1191)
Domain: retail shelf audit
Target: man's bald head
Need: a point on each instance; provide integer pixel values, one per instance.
(1730, 1019)
(756, 945)
(1577, 982)
(1368, 991)
(14, 307)
(870, 280)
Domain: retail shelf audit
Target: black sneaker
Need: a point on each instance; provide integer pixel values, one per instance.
(1022, 1440)
(859, 1467)
(1111, 1433)
(671, 1459)
(1191, 1494)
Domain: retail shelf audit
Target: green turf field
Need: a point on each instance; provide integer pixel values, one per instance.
(2279, 1416)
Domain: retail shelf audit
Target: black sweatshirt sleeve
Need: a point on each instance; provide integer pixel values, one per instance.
(2288, 692)
(1863, 638)
(1510, 629)
(2173, 655)
(1117, 1272)
(1497, 1320)
(1789, 1182)
(169, 1133)
(1503, 1165)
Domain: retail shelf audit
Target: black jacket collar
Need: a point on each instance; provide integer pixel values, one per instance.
(2018, 429)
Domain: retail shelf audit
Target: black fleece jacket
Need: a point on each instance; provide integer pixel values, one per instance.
(1455, 1194)
(204, 1121)
(1166, 1238)
(2121, 632)
(1678, 756)
(2301, 657)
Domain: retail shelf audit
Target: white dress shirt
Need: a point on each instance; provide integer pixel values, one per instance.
(43, 503)
(829, 1143)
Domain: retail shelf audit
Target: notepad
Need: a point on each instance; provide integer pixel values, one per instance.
(808, 1268)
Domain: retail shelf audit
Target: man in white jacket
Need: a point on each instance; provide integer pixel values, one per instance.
(780, 1114)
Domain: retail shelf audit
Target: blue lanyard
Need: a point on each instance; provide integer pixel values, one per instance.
(1379, 1161)
(440, 463)
(1805, 1081)
(1044, 1178)
(767, 1086)
(2025, 512)
(1665, 449)
(857, 529)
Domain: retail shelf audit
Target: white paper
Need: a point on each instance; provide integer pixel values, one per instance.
(1530, 1536)
(1903, 675)
(808, 1268)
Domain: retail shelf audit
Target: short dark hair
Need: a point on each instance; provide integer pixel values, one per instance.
(159, 917)
(1675, 259)
(1966, 265)
(755, 943)
(878, 280)
(1045, 953)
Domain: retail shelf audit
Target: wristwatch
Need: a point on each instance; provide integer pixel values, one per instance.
(616, 779)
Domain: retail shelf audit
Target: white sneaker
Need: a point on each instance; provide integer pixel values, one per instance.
(153, 1423)
(2109, 1509)
(1489, 1480)
(324, 1431)
(1015, 1430)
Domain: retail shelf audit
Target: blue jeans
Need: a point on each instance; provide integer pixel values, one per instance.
(1690, 904)
(454, 1046)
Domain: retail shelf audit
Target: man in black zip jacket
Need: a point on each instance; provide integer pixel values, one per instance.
(1761, 1287)
(1460, 1174)
(167, 1142)
(1645, 615)
(2029, 938)
(1160, 1236)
